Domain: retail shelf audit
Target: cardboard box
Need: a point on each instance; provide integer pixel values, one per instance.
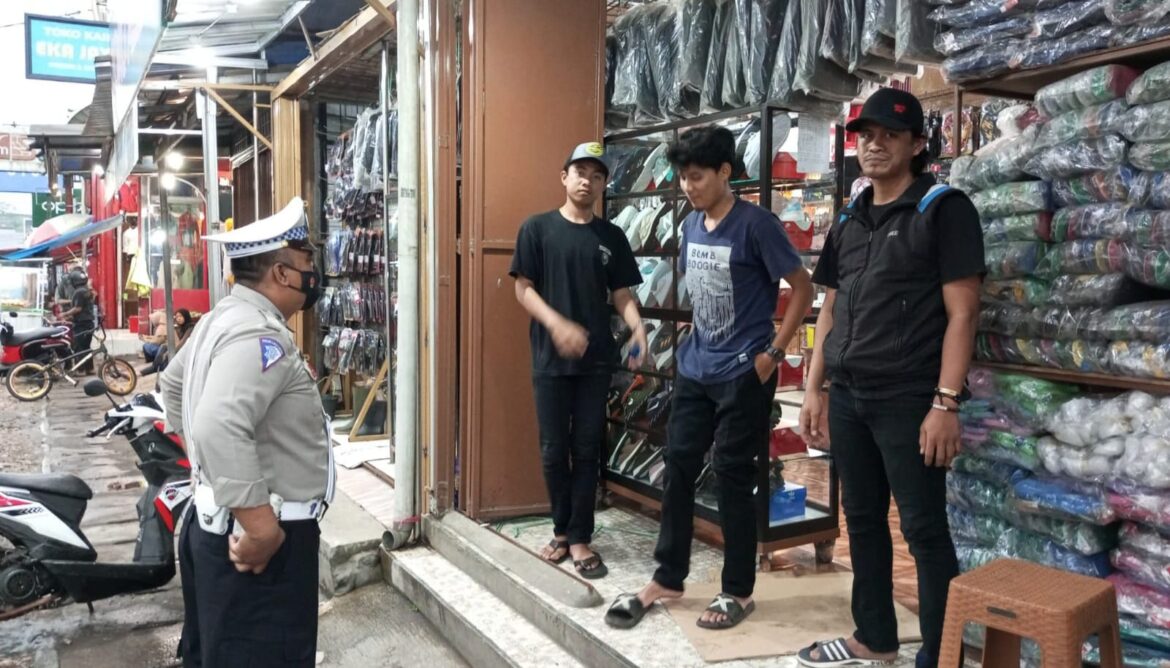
(787, 503)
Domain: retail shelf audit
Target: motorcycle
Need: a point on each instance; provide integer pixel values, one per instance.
(50, 561)
(37, 344)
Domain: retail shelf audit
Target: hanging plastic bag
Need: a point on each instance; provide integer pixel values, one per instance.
(980, 63)
(878, 28)
(815, 75)
(1089, 123)
(1076, 158)
(764, 20)
(1150, 156)
(1132, 12)
(1016, 228)
(734, 82)
(1012, 199)
(1093, 221)
(839, 32)
(1067, 18)
(1045, 53)
(1114, 185)
(1091, 87)
(781, 90)
(696, 25)
(1105, 256)
(662, 42)
(711, 99)
(957, 41)
(914, 42)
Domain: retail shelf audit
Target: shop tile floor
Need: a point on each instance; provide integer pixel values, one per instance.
(626, 540)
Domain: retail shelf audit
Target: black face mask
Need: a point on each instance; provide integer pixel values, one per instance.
(310, 287)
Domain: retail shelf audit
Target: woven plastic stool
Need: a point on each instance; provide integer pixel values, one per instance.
(1018, 599)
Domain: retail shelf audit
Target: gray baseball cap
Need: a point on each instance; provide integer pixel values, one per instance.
(589, 151)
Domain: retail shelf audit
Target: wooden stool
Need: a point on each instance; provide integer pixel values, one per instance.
(1019, 599)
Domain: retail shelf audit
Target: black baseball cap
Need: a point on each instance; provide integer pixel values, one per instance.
(591, 151)
(892, 109)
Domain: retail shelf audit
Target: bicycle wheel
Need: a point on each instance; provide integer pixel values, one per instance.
(29, 381)
(119, 376)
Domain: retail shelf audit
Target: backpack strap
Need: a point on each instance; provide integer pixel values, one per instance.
(936, 191)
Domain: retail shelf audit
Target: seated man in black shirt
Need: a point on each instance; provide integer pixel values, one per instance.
(569, 264)
(903, 265)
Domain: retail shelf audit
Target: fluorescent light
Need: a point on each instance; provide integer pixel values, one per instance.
(167, 181)
(174, 160)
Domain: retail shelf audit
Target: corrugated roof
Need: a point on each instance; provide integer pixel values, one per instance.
(229, 27)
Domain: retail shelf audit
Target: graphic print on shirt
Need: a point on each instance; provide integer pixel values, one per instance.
(709, 284)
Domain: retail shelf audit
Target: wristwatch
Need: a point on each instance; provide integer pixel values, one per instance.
(775, 354)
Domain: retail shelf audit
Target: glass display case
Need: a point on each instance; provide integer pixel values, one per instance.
(797, 491)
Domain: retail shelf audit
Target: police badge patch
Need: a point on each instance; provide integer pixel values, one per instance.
(271, 352)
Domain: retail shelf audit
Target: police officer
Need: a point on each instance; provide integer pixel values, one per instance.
(245, 401)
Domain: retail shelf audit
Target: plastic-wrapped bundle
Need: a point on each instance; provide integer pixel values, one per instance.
(972, 556)
(1140, 360)
(970, 527)
(1036, 548)
(1130, 35)
(1151, 156)
(1146, 321)
(1012, 199)
(1074, 158)
(722, 35)
(1152, 86)
(879, 26)
(914, 42)
(995, 348)
(782, 89)
(663, 37)
(1024, 291)
(760, 23)
(815, 75)
(1043, 53)
(1138, 504)
(1132, 12)
(1148, 228)
(1150, 605)
(1009, 448)
(1133, 631)
(1093, 464)
(988, 470)
(696, 22)
(1005, 319)
(1085, 422)
(1016, 228)
(954, 42)
(1061, 323)
(969, 15)
(1079, 355)
(1147, 122)
(989, 115)
(1145, 541)
(734, 64)
(1088, 123)
(1092, 221)
(1010, 260)
(1146, 461)
(976, 496)
(1150, 189)
(1091, 87)
(1102, 290)
(1067, 18)
(1149, 265)
(1132, 655)
(1087, 539)
(1113, 185)
(1087, 256)
(960, 170)
(1142, 568)
(634, 87)
(1003, 161)
(983, 62)
(842, 27)
(1032, 400)
(1063, 499)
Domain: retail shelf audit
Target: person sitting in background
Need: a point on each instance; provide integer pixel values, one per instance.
(153, 342)
(184, 323)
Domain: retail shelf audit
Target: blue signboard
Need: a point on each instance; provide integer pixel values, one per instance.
(60, 49)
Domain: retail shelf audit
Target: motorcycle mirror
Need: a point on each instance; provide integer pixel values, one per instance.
(95, 388)
(13, 314)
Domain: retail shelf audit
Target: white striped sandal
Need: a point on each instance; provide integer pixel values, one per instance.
(835, 653)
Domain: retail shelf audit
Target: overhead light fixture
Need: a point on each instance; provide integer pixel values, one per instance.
(99, 171)
(174, 160)
(167, 181)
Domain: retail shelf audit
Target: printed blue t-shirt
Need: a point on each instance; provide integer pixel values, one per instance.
(733, 277)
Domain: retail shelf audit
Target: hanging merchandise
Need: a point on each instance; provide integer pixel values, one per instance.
(879, 27)
(696, 25)
(1152, 86)
(1045, 53)
(1088, 123)
(1147, 123)
(815, 75)
(959, 40)
(662, 41)
(1092, 87)
(759, 24)
(711, 99)
(1076, 158)
(1093, 221)
(782, 89)
(1112, 185)
(1131, 12)
(842, 29)
(1012, 199)
(1153, 157)
(734, 65)
(1067, 18)
(916, 34)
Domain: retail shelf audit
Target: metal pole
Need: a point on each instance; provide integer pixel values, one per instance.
(211, 187)
(255, 154)
(168, 292)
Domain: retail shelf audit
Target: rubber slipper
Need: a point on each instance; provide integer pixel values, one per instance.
(625, 613)
(558, 545)
(591, 568)
(835, 653)
(726, 605)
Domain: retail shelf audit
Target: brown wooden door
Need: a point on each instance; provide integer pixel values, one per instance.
(534, 88)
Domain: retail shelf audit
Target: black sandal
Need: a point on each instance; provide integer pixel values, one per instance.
(557, 545)
(727, 606)
(626, 612)
(591, 568)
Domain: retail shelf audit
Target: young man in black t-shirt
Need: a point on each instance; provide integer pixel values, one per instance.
(569, 265)
(902, 265)
(82, 315)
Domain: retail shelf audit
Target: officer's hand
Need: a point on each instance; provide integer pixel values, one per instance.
(939, 439)
(251, 553)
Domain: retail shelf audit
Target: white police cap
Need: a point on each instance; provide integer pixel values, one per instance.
(287, 227)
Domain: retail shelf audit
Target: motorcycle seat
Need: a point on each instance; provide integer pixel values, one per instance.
(61, 484)
(23, 337)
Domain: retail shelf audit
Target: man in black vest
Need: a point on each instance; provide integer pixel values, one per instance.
(902, 265)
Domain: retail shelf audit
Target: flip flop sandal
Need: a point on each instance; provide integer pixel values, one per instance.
(835, 653)
(592, 568)
(558, 545)
(626, 612)
(728, 606)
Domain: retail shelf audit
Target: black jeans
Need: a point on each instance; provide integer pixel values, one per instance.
(875, 450)
(242, 619)
(734, 416)
(570, 411)
(82, 342)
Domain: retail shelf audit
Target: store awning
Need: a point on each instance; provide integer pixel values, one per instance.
(71, 237)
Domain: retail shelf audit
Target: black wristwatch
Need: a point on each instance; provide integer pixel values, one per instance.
(774, 353)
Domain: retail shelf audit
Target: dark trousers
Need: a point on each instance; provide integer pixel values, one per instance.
(242, 619)
(570, 411)
(734, 417)
(875, 450)
(82, 341)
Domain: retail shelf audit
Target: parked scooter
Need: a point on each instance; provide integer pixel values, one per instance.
(37, 344)
(51, 562)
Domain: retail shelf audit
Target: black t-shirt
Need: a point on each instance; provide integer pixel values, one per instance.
(574, 269)
(83, 299)
(956, 239)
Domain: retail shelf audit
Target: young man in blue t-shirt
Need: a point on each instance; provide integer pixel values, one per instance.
(734, 254)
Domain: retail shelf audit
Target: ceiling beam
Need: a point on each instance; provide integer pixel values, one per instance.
(386, 14)
(350, 40)
(290, 15)
(188, 57)
(190, 84)
(236, 115)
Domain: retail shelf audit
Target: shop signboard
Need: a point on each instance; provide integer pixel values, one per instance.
(136, 26)
(123, 155)
(59, 49)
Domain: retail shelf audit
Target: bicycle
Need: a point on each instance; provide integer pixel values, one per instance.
(31, 380)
